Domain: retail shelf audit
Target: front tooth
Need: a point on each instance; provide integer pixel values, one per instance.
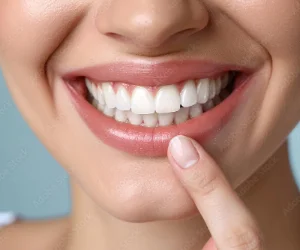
(89, 85)
(122, 99)
(209, 105)
(100, 96)
(108, 111)
(142, 101)
(196, 110)
(212, 89)
(225, 80)
(150, 120)
(188, 94)
(165, 119)
(182, 115)
(134, 119)
(167, 99)
(120, 116)
(203, 90)
(109, 95)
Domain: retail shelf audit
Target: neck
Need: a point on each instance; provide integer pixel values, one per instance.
(271, 195)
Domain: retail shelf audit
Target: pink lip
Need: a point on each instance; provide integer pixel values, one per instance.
(143, 141)
(154, 74)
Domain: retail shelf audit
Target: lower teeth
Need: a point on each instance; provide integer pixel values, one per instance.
(161, 120)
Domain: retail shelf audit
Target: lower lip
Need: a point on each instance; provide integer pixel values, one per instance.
(153, 142)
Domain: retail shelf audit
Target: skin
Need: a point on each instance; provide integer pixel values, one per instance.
(113, 192)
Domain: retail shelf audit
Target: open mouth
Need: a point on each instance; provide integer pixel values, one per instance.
(159, 106)
(142, 118)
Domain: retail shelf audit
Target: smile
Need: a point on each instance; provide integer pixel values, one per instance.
(139, 108)
(157, 106)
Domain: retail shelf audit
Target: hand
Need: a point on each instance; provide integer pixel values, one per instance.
(230, 223)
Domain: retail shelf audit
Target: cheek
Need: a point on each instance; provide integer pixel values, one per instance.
(273, 23)
(28, 25)
(30, 32)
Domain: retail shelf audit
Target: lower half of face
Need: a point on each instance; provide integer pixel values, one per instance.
(106, 85)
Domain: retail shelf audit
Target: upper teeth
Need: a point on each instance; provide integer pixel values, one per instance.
(166, 100)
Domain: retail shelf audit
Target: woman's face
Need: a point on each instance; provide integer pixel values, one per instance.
(154, 57)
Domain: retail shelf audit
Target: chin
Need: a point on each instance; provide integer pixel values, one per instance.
(130, 188)
(133, 206)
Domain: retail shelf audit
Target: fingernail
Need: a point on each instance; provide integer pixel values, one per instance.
(183, 151)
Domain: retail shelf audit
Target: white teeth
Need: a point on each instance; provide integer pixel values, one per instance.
(94, 91)
(188, 95)
(109, 95)
(209, 105)
(165, 119)
(182, 115)
(142, 101)
(196, 110)
(167, 99)
(150, 120)
(89, 85)
(203, 90)
(212, 89)
(166, 108)
(100, 96)
(120, 116)
(109, 112)
(134, 119)
(122, 99)
(218, 85)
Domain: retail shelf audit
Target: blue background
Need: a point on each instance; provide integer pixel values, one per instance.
(32, 183)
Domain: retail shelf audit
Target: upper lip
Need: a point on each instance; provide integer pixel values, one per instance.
(146, 73)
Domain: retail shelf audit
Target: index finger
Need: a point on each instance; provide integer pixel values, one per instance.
(229, 221)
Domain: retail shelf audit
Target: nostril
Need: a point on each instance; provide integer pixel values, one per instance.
(184, 33)
(118, 37)
(187, 32)
(114, 36)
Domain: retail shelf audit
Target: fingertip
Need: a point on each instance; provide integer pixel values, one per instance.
(183, 151)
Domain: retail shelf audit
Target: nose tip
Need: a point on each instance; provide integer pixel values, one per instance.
(152, 23)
